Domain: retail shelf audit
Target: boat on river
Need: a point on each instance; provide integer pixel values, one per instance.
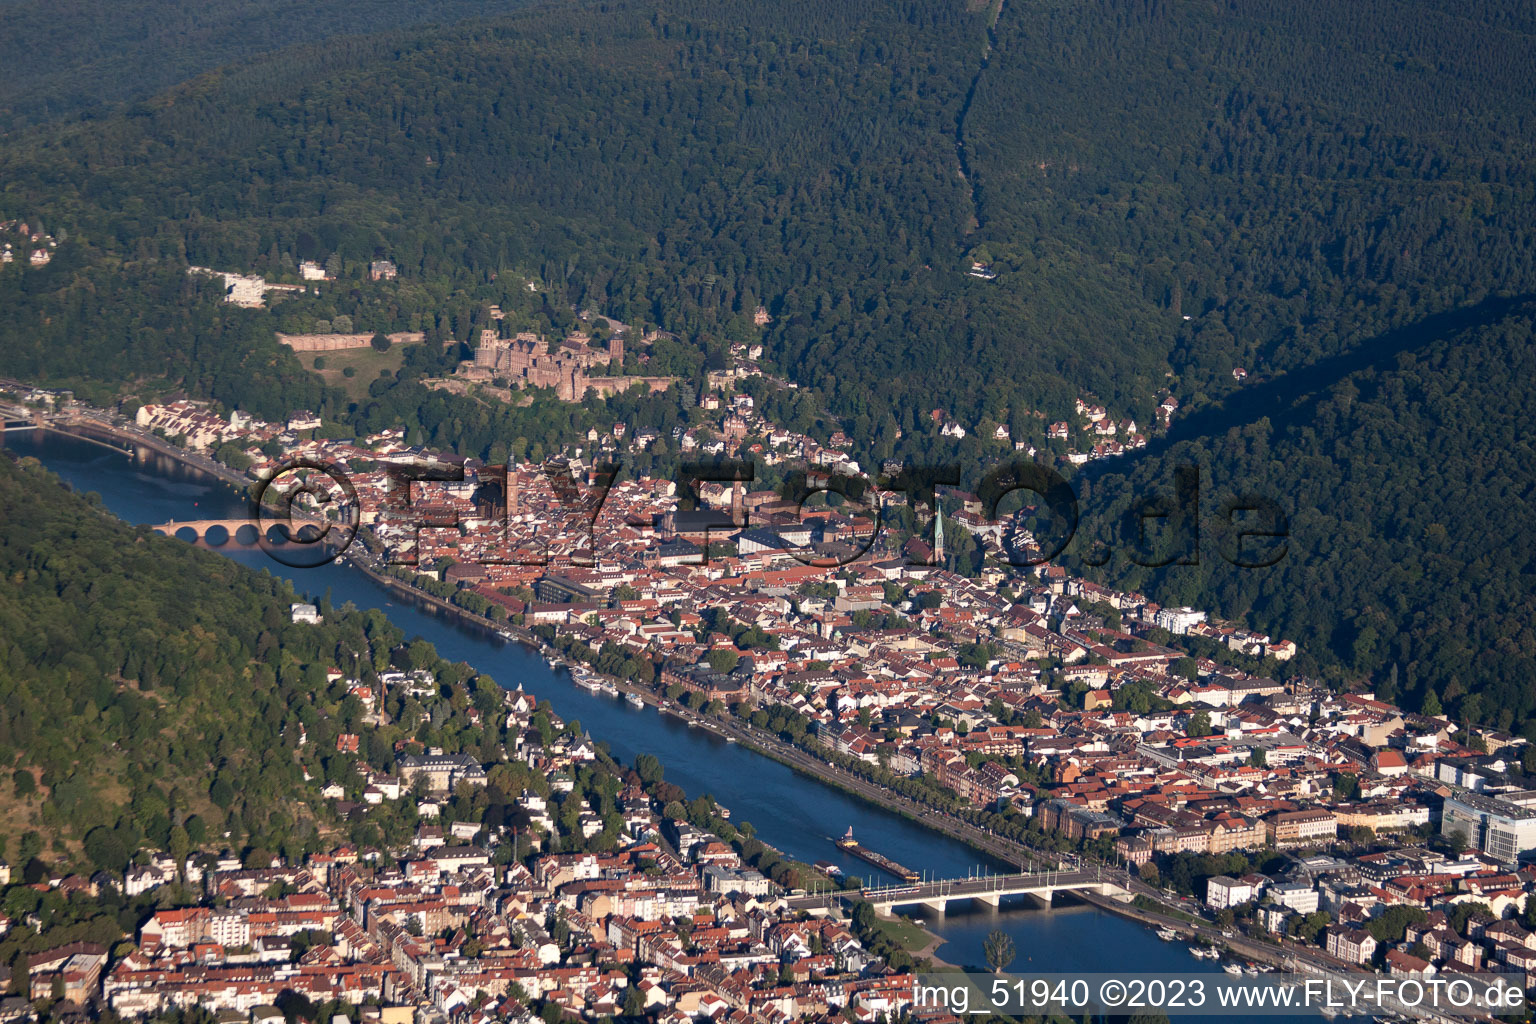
(851, 846)
(635, 699)
(740, 778)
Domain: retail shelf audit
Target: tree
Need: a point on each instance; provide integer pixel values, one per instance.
(999, 950)
(180, 845)
(380, 342)
(1457, 841)
(634, 1002)
(1311, 926)
(1199, 725)
(1392, 923)
(1431, 705)
(863, 917)
(723, 659)
(648, 767)
(1462, 913)
(105, 849)
(197, 830)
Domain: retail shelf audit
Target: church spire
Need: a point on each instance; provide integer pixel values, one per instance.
(938, 533)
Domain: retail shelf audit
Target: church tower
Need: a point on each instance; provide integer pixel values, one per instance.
(938, 533)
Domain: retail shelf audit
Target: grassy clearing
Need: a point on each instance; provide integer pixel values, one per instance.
(364, 360)
(904, 933)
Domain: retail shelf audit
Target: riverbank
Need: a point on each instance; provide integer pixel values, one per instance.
(733, 730)
(913, 936)
(1280, 955)
(766, 745)
(80, 424)
(795, 811)
(740, 733)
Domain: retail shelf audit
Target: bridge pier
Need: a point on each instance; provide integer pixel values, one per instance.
(200, 529)
(987, 889)
(1041, 897)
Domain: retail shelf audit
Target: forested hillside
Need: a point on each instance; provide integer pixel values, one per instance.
(1290, 181)
(1409, 565)
(76, 57)
(152, 694)
(1256, 185)
(673, 168)
(1167, 193)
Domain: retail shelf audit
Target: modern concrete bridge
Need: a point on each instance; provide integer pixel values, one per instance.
(989, 889)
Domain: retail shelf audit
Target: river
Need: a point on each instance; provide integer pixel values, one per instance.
(799, 815)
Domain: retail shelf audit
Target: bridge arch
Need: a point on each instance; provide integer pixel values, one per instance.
(218, 532)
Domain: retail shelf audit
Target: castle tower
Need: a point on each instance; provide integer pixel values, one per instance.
(738, 510)
(616, 350)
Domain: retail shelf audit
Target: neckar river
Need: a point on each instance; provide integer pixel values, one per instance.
(797, 814)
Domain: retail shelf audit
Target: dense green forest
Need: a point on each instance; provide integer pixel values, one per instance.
(78, 58)
(1409, 494)
(129, 679)
(1255, 185)
(152, 694)
(1167, 192)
